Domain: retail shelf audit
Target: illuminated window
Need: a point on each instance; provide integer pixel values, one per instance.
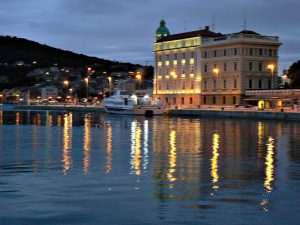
(174, 62)
(159, 63)
(183, 62)
(192, 61)
(167, 63)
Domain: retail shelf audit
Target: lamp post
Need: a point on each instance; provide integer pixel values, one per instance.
(271, 67)
(139, 78)
(87, 86)
(216, 71)
(109, 85)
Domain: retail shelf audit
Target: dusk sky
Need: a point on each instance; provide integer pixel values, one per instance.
(124, 30)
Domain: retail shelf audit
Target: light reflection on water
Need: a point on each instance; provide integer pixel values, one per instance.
(187, 170)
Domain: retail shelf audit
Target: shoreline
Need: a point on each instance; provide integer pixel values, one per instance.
(218, 113)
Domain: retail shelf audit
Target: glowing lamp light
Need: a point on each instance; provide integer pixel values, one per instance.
(66, 82)
(271, 66)
(216, 70)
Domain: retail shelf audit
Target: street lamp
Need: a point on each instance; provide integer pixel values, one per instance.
(271, 67)
(109, 85)
(139, 78)
(216, 71)
(87, 86)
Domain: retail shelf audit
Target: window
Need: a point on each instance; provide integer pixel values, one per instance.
(235, 84)
(167, 70)
(183, 55)
(167, 57)
(192, 70)
(215, 84)
(192, 86)
(205, 54)
(235, 66)
(204, 100)
(182, 100)
(174, 100)
(159, 58)
(235, 51)
(192, 54)
(270, 52)
(167, 86)
(175, 56)
(225, 84)
(234, 100)
(225, 67)
(215, 65)
(183, 70)
(214, 100)
(225, 52)
(159, 87)
(191, 100)
(205, 68)
(260, 52)
(269, 84)
(250, 84)
(167, 100)
(260, 65)
(251, 51)
(215, 53)
(250, 66)
(183, 86)
(224, 100)
(259, 84)
(205, 84)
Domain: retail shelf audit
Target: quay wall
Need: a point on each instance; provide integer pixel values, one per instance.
(235, 114)
(61, 108)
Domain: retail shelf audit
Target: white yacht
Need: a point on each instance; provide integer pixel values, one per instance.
(137, 104)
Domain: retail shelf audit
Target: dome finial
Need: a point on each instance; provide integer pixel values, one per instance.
(162, 31)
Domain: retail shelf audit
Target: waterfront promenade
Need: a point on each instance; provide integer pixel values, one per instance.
(245, 113)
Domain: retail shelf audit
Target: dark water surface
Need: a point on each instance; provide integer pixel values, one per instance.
(72, 168)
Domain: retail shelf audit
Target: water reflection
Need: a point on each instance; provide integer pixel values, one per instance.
(1, 117)
(214, 160)
(146, 145)
(86, 144)
(67, 142)
(109, 148)
(136, 146)
(172, 157)
(269, 164)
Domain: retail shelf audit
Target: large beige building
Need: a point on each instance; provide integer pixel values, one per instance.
(207, 68)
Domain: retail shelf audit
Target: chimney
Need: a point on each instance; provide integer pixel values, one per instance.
(207, 28)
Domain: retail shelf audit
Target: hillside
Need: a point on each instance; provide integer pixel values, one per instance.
(14, 49)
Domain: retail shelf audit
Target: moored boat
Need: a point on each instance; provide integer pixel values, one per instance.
(137, 104)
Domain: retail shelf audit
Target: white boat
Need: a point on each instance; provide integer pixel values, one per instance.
(137, 104)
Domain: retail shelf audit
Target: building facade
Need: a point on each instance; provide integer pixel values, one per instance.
(207, 68)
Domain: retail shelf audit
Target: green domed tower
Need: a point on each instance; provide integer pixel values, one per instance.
(162, 31)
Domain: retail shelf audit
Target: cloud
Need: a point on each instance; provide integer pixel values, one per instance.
(124, 30)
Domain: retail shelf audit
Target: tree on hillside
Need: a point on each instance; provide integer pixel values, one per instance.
(294, 74)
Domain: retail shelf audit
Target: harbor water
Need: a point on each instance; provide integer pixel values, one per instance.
(90, 168)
